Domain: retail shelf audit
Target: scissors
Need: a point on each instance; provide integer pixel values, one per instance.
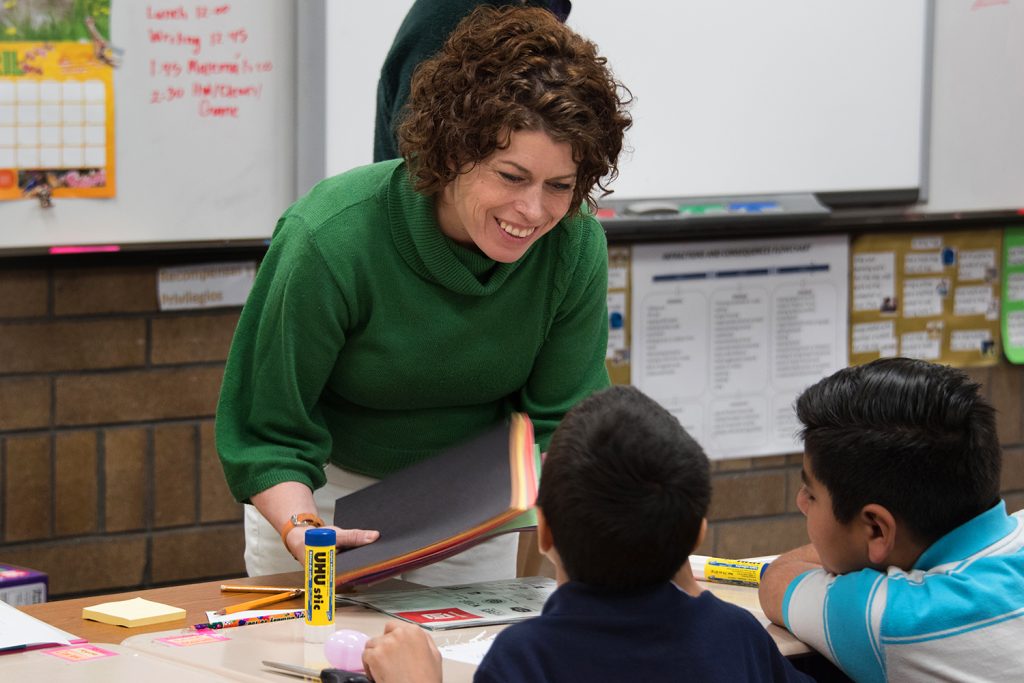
(326, 675)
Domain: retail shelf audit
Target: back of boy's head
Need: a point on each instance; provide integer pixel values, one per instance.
(624, 491)
(912, 436)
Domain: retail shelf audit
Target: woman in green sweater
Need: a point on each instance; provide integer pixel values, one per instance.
(406, 306)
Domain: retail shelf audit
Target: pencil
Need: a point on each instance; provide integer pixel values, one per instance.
(259, 602)
(235, 588)
(264, 619)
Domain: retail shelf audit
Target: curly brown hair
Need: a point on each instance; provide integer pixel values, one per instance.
(509, 69)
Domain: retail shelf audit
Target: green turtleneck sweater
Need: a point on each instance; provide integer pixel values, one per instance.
(373, 341)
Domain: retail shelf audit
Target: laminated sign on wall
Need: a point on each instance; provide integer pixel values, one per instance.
(726, 334)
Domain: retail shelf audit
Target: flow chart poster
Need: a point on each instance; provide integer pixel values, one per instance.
(933, 296)
(727, 334)
(1013, 295)
(56, 99)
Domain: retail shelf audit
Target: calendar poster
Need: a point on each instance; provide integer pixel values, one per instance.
(56, 99)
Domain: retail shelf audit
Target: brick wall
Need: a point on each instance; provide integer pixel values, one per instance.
(108, 474)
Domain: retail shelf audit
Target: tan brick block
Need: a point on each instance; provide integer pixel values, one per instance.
(193, 339)
(75, 345)
(195, 554)
(1013, 469)
(86, 566)
(216, 503)
(1005, 394)
(753, 538)
(76, 487)
(28, 498)
(80, 291)
(137, 396)
(793, 484)
(126, 473)
(747, 495)
(731, 465)
(707, 546)
(174, 475)
(24, 403)
(23, 293)
(765, 462)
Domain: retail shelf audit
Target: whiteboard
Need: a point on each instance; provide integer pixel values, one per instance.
(191, 165)
(738, 97)
(977, 135)
(751, 97)
(186, 179)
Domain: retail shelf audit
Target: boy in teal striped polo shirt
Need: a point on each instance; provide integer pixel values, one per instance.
(915, 570)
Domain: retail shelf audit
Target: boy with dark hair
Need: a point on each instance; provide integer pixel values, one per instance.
(915, 571)
(622, 502)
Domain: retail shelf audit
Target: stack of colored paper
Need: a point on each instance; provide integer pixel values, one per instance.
(443, 505)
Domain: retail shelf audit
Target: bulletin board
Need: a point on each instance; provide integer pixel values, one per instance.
(200, 106)
(933, 296)
(619, 319)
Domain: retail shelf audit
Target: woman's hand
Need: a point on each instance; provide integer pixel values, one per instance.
(403, 654)
(278, 503)
(347, 538)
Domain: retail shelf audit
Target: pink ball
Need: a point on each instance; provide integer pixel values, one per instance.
(344, 649)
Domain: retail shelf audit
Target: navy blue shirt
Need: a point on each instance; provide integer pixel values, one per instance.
(654, 634)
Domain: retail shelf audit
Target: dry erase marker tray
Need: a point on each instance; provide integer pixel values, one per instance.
(669, 214)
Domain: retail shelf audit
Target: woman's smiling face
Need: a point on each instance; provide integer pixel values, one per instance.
(508, 201)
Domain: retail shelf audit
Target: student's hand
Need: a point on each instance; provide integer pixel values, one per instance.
(403, 654)
(779, 574)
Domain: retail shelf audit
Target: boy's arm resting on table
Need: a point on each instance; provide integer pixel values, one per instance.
(779, 574)
(404, 653)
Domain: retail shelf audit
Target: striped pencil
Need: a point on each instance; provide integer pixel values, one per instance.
(264, 619)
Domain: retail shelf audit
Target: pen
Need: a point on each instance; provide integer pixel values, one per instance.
(235, 588)
(264, 619)
(324, 675)
(260, 602)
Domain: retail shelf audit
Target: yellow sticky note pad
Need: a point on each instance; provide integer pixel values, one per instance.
(135, 612)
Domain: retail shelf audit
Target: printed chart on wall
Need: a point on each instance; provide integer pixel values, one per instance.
(1013, 295)
(56, 99)
(726, 334)
(929, 296)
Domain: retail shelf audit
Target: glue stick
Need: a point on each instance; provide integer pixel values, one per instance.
(735, 572)
(319, 584)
